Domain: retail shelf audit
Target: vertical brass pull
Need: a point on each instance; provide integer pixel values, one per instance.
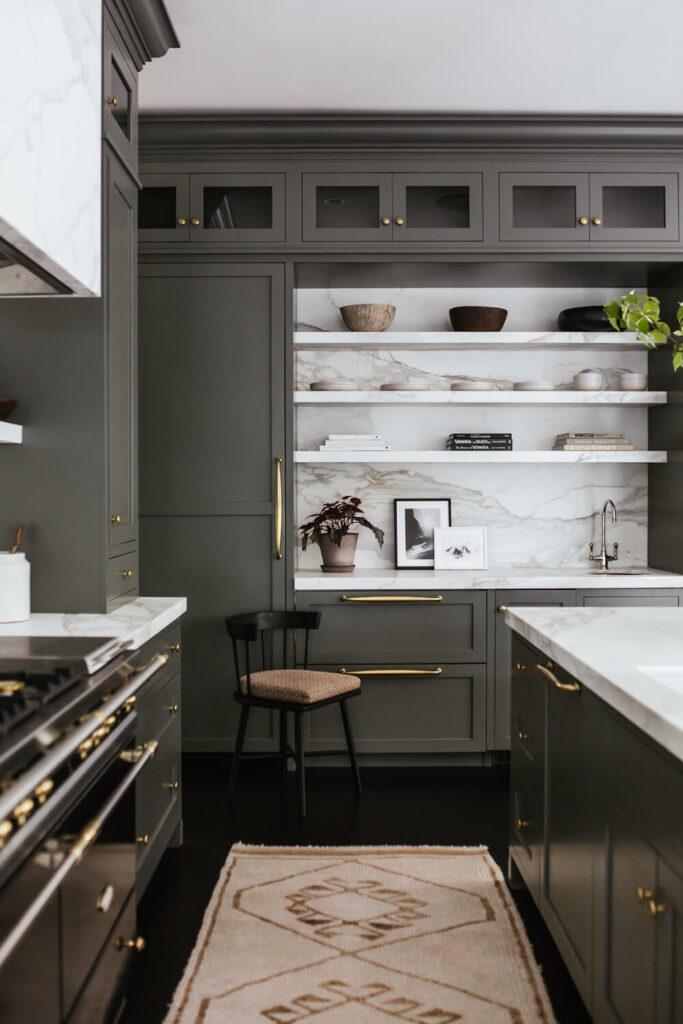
(278, 507)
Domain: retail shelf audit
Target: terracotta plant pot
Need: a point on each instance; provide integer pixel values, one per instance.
(335, 558)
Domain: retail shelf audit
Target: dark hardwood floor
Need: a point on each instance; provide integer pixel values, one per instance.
(464, 807)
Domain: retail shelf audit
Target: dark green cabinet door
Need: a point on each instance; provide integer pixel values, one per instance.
(237, 207)
(544, 207)
(120, 271)
(501, 714)
(164, 208)
(634, 207)
(346, 207)
(669, 946)
(629, 599)
(437, 207)
(626, 879)
(120, 99)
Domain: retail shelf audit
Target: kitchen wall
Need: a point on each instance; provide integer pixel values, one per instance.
(50, 132)
(537, 515)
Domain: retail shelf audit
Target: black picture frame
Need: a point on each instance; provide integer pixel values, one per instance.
(413, 545)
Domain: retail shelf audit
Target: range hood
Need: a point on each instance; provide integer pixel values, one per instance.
(21, 276)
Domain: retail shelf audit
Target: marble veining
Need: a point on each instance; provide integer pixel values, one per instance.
(607, 649)
(50, 136)
(136, 622)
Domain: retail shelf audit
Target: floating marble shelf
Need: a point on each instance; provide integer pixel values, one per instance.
(480, 397)
(10, 433)
(453, 340)
(378, 458)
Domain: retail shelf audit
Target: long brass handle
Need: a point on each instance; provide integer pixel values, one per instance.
(390, 671)
(390, 597)
(278, 507)
(569, 687)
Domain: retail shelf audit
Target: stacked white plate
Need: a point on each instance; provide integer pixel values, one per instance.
(534, 385)
(472, 385)
(334, 385)
(406, 385)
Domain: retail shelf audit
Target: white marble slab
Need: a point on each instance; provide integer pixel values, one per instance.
(470, 457)
(612, 651)
(136, 622)
(508, 397)
(443, 340)
(485, 579)
(10, 433)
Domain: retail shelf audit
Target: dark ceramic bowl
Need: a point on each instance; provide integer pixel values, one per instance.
(7, 406)
(583, 318)
(477, 318)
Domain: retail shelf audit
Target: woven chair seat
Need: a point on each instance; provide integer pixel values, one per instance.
(298, 686)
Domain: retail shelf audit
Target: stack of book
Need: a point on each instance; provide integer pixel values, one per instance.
(591, 442)
(355, 443)
(479, 443)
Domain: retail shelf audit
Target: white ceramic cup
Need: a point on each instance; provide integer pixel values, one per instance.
(15, 587)
(629, 381)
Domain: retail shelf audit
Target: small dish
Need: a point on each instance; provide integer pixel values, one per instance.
(533, 385)
(588, 380)
(334, 385)
(368, 316)
(405, 385)
(472, 385)
(632, 381)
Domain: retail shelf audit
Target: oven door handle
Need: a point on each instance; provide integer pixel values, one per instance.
(76, 853)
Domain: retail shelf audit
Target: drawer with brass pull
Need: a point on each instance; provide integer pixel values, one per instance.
(383, 628)
(526, 745)
(158, 708)
(526, 834)
(159, 788)
(122, 575)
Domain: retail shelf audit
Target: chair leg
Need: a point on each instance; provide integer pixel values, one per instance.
(350, 744)
(300, 766)
(239, 743)
(283, 740)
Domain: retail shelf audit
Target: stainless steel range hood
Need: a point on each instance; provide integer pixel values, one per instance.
(20, 276)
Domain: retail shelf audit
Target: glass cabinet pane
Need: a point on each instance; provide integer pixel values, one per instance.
(157, 208)
(120, 99)
(634, 206)
(544, 206)
(234, 208)
(437, 206)
(347, 206)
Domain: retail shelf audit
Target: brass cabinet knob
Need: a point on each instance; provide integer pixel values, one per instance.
(105, 899)
(137, 944)
(22, 811)
(520, 668)
(43, 790)
(583, 220)
(6, 828)
(643, 894)
(502, 608)
(522, 824)
(174, 648)
(400, 220)
(182, 221)
(654, 908)
(112, 101)
(127, 573)
(116, 520)
(142, 840)
(523, 736)
(173, 708)
(386, 220)
(171, 785)
(196, 221)
(597, 220)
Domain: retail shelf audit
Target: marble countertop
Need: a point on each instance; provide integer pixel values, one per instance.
(484, 579)
(630, 657)
(136, 622)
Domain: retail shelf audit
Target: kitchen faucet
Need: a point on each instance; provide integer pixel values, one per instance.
(603, 558)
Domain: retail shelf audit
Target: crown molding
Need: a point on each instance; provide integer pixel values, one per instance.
(147, 28)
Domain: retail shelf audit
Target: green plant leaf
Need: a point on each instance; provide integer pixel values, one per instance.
(658, 337)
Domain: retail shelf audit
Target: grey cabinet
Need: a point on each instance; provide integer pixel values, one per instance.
(653, 598)
(244, 207)
(212, 425)
(356, 206)
(555, 206)
(120, 96)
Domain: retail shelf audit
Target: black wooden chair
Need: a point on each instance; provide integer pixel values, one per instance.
(298, 690)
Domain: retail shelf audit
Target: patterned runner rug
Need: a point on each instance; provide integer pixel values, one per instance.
(361, 935)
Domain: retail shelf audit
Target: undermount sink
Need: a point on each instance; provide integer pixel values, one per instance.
(667, 675)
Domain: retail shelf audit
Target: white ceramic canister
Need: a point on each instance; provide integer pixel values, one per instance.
(15, 587)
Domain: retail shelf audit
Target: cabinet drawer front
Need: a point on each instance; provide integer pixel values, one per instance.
(443, 713)
(158, 709)
(526, 835)
(528, 684)
(527, 745)
(122, 575)
(104, 993)
(155, 792)
(375, 628)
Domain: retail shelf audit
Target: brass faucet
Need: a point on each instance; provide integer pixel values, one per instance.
(603, 558)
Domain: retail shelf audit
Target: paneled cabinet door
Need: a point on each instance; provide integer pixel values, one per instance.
(120, 99)
(120, 273)
(237, 207)
(669, 946)
(347, 207)
(503, 651)
(634, 207)
(544, 207)
(437, 207)
(164, 208)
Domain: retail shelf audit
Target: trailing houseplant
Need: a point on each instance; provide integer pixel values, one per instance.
(330, 530)
(642, 313)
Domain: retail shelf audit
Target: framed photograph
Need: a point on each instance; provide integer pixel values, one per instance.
(460, 547)
(416, 520)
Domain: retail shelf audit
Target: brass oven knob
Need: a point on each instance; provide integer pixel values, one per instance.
(583, 220)
(400, 220)
(116, 520)
(386, 220)
(137, 944)
(22, 811)
(597, 220)
(5, 830)
(43, 790)
(182, 221)
(196, 221)
(112, 101)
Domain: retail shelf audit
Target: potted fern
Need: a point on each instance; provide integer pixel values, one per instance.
(330, 530)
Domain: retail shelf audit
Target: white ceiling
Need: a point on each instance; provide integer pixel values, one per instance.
(418, 56)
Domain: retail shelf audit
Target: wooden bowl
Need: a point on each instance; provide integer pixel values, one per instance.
(477, 318)
(368, 316)
(7, 406)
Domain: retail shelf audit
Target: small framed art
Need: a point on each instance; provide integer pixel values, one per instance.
(460, 547)
(416, 519)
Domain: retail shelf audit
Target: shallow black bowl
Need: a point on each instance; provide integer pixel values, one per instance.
(583, 318)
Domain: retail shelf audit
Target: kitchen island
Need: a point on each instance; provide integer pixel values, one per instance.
(597, 798)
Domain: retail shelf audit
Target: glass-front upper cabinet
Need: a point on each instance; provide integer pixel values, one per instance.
(556, 207)
(208, 207)
(358, 207)
(120, 116)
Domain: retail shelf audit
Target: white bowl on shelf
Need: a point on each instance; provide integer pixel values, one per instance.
(629, 381)
(588, 380)
(334, 385)
(405, 385)
(533, 385)
(472, 385)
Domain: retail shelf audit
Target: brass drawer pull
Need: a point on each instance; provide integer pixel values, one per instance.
(520, 668)
(143, 840)
(390, 671)
(113, 101)
(173, 708)
(171, 785)
(568, 687)
(643, 894)
(196, 221)
(182, 221)
(127, 573)
(522, 823)
(390, 597)
(174, 648)
(655, 908)
(502, 608)
(116, 520)
(386, 220)
(522, 736)
(137, 944)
